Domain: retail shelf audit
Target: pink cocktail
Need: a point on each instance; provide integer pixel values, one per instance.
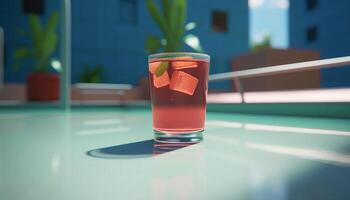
(178, 86)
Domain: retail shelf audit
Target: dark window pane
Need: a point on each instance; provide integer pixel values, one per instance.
(128, 11)
(219, 21)
(311, 4)
(33, 6)
(311, 34)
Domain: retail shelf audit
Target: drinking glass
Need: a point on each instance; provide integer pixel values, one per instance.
(178, 88)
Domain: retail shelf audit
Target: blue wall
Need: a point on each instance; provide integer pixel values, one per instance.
(102, 33)
(333, 21)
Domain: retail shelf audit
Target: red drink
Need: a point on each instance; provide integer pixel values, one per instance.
(178, 86)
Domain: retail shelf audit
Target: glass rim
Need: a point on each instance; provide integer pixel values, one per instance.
(164, 55)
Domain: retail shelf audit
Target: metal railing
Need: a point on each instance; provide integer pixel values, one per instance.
(236, 76)
(103, 88)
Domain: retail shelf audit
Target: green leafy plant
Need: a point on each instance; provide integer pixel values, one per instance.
(264, 44)
(171, 21)
(43, 39)
(91, 74)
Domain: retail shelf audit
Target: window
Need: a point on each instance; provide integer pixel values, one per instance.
(311, 4)
(128, 11)
(311, 34)
(219, 21)
(33, 6)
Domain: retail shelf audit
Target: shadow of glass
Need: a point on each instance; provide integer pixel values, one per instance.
(142, 149)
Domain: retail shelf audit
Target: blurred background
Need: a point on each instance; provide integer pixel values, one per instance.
(110, 42)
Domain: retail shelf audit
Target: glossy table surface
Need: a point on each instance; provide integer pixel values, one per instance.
(110, 154)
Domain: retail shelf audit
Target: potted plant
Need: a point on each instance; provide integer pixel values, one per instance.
(263, 45)
(42, 85)
(171, 21)
(91, 74)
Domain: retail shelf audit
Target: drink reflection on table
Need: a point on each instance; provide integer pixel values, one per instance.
(181, 170)
(161, 147)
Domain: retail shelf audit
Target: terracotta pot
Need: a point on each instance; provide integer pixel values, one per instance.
(42, 87)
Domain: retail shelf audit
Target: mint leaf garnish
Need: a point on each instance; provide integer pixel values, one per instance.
(161, 68)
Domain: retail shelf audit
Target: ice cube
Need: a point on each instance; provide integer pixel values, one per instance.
(153, 66)
(183, 82)
(162, 80)
(183, 64)
(184, 58)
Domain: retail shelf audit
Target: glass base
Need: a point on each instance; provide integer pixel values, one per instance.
(191, 137)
